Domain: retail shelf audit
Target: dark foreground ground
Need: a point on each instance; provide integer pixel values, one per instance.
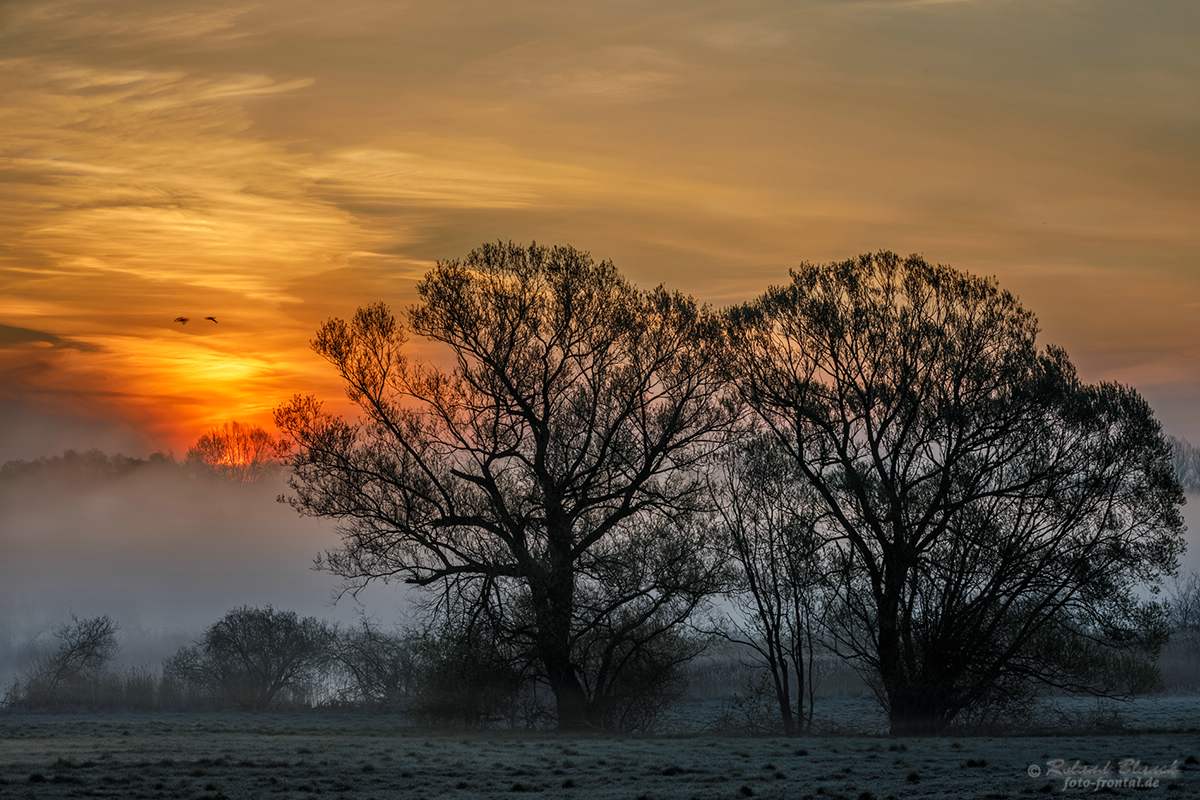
(301, 756)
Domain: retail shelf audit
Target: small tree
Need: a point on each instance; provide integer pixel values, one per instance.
(572, 419)
(982, 499)
(1186, 458)
(469, 677)
(769, 516)
(383, 668)
(1181, 662)
(254, 657)
(68, 674)
(645, 676)
(1184, 605)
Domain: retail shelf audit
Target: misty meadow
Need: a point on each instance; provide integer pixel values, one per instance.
(867, 503)
(714, 399)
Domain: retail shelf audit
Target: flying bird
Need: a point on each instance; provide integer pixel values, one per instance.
(213, 320)
(181, 320)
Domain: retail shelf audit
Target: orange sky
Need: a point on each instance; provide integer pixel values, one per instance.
(275, 163)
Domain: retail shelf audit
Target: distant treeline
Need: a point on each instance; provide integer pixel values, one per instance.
(259, 659)
(89, 465)
(264, 659)
(97, 465)
(236, 451)
(1186, 457)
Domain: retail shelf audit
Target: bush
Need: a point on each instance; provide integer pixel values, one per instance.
(466, 680)
(73, 673)
(378, 670)
(651, 676)
(254, 659)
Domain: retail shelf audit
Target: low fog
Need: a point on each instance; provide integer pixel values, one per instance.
(1191, 512)
(163, 549)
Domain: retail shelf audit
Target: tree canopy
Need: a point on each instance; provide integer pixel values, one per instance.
(549, 473)
(977, 518)
(985, 502)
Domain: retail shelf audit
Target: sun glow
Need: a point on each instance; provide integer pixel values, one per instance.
(188, 384)
(157, 162)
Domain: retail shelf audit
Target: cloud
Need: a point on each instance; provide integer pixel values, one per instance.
(33, 428)
(617, 74)
(13, 336)
(373, 180)
(743, 35)
(110, 24)
(278, 162)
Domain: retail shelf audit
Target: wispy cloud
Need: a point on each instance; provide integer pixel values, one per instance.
(277, 162)
(616, 74)
(12, 336)
(903, 4)
(109, 23)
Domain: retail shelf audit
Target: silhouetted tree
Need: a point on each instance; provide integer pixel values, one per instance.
(985, 501)
(1184, 605)
(469, 676)
(571, 420)
(68, 674)
(1186, 457)
(252, 657)
(642, 675)
(383, 667)
(243, 452)
(1181, 661)
(769, 517)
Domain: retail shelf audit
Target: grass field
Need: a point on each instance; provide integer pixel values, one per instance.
(358, 756)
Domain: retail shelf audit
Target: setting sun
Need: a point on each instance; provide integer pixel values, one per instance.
(195, 161)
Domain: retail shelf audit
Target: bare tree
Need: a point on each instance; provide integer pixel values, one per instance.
(985, 502)
(1184, 604)
(769, 516)
(634, 594)
(1186, 458)
(252, 657)
(470, 675)
(67, 674)
(1181, 661)
(384, 668)
(243, 452)
(574, 415)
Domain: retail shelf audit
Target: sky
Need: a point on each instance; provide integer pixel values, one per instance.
(165, 551)
(275, 163)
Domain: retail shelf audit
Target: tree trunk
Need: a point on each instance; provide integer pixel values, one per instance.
(917, 711)
(553, 607)
(917, 705)
(812, 686)
(570, 699)
(780, 674)
(800, 679)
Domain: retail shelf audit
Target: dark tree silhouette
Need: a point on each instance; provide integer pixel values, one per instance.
(992, 513)
(1185, 606)
(1186, 457)
(251, 657)
(566, 430)
(383, 668)
(770, 519)
(468, 676)
(1184, 618)
(66, 676)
